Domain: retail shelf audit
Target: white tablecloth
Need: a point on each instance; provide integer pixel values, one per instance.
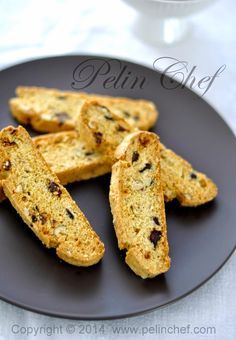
(29, 29)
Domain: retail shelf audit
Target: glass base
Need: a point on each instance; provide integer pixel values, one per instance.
(164, 31)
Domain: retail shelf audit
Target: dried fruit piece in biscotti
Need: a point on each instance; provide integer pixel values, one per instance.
(43, 203)
(51, 110)
(181, 181)
(2, 195)
(137, 205)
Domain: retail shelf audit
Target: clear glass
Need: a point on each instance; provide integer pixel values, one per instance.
(165, 21)
(164, 31)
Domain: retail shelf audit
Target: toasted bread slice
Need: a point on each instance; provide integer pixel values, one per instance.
(43, 203)
(137, 204)
(51, 110)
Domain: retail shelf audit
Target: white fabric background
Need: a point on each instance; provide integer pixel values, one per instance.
(30, 29)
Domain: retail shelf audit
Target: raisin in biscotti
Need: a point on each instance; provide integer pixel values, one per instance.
(137, 205)
(43, 203)
(51, 110)
(2, 195)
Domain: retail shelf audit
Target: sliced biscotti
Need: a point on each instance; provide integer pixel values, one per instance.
(43, 203)
(179, 180)
(46, 110)
(101, 128)
(137, 205)
(138, 113)
(51, 110)
(71, 158)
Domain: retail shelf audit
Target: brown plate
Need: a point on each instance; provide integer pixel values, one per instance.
(201, 239)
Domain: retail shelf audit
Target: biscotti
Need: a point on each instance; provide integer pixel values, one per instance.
(46, 110)
(51, 110)
(43, 203)
(101, 128)
(71, 158)
(139, 113)
(180, 181)
(137, 205)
